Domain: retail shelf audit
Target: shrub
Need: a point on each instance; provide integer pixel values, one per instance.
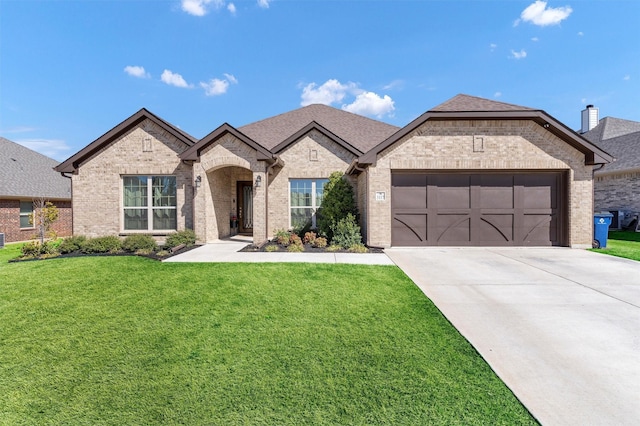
(30, 249)
(37, 249)
(309, 237)
(138, 242)
(333, 247)
(295, 240)
(186, 237)
(110, 244)
(358, 248)
(283, 237)
(162, 253)
(320, 242)
(346, 232)
(271, 248)
(72, 244)
(337, 202)
(295, 248)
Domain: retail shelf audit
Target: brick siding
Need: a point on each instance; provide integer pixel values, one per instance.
(620, 191)
(10, 221)
(506, 145)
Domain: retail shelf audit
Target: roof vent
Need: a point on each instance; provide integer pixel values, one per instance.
(589, 118)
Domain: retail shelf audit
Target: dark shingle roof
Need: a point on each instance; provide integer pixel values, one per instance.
(361, 132)
(26, 173)
(619, 137)
(466, 103)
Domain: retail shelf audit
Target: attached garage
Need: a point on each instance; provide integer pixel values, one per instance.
(478, 209)
(476, 172)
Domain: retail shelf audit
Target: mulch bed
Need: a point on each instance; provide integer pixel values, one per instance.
(308, 248)
(153, 256)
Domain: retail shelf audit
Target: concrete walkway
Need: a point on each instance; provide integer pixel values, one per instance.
(228, 251)
(561, 327)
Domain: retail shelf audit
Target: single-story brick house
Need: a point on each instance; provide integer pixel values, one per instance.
(470, 171)
(617, 184)
(27, 176)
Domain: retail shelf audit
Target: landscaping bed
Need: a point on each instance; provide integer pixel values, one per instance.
(273, 246)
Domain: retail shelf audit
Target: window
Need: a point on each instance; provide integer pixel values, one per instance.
(149, 203)
(306, 199)
(26, 210)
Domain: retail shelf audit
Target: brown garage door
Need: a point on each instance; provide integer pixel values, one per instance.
(477, 209)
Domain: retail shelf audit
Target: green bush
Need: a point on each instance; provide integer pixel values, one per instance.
(110, 244)
(186, 237)
(309, 237)
(338, 201)
(30, 249)
(35, 249)
(320, 242)
(358, 248)
(72, 244)
(282, 237)
(333, 248)
(139, 242)
(295, 248)
(346, 232)
(272, 249)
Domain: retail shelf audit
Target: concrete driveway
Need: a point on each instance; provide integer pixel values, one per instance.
(561, 327)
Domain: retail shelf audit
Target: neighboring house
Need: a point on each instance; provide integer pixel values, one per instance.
(471, 171)
(617, 184)
(27, 176)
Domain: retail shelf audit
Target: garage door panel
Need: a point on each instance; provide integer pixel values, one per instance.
(453, 228)
(496, 228)
(409, 229)
(477, 208)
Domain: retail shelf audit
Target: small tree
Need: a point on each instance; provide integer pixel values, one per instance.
(338, 201)
(43, 216)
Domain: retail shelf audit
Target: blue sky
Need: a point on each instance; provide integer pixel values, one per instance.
(70, 70)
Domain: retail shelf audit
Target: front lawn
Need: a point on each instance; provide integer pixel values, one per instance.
(622, 244)
(128, 340)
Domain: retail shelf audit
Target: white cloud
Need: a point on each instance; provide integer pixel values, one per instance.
(333, 92)
(493, 46)
(54, 148)
(328, 93)
(539, 14)
(217, 87)
(518, 55)
(580, 33)
(369, 103)
(200, 7)
(136, 71)
(264, 4)
(535, 39)
(173, 79)
(497, 94)
(626, 77)
(395, 84)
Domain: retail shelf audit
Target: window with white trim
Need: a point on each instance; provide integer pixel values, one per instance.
(305, 197)
(26, 210)
(149, 203)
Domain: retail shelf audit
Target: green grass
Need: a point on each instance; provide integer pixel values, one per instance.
(127, 340)
(622, 244)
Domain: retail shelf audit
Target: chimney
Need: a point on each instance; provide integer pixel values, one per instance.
(589, 118)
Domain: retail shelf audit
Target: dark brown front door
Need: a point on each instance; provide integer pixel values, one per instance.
(477, 209)
(245, 207)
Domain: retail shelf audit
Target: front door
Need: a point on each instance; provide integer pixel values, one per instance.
(245, 207)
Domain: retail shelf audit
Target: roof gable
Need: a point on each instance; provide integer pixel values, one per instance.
(26, 173)
(193, 153)
(315, 126)
(73, 162)
(359, 132)
(478, 109)
(610, 127)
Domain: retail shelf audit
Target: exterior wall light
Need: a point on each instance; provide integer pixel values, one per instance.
(198, 181)
(258, 181)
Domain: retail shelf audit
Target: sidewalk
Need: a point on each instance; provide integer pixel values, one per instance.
(228, 250)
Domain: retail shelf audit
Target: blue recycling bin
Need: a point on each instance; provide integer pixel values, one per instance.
(601, 223)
